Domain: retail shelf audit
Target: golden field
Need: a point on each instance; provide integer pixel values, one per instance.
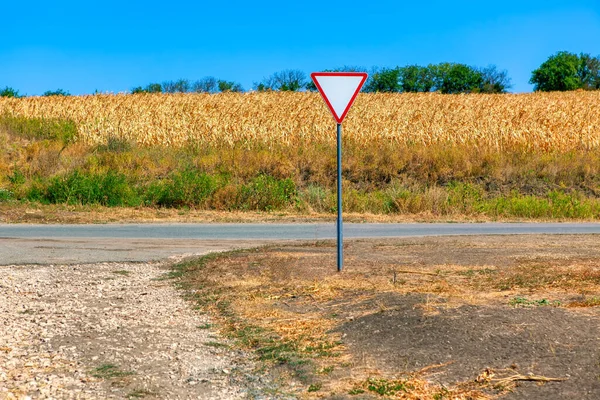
(536, 121)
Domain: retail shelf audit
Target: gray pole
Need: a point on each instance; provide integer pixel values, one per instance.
(340, 245)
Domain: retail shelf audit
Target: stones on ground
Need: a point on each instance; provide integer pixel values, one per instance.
(82, 331)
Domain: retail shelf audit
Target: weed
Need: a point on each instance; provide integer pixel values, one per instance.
(5, 195)
(122, 272)
(384, 387)
(188, 188)
(523, 302)
(315, 387)
(110, 371)
(326, 370)
(205, 326)
(107, 189)
(265, 193)
(590, 302)
(139, 394)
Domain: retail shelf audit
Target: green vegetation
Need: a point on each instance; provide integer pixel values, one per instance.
(567, 71)
(109, 371)
(43, 163)
(384, 387)
(9, 92)
(57, 92)
(524, 302)
(447, 78)
(207, 84)
(140, 394)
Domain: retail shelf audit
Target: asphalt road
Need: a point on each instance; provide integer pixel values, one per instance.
(66, 244)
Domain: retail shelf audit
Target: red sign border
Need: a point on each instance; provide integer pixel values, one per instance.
(337, 118)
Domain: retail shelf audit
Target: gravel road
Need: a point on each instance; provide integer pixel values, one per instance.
(109, 330)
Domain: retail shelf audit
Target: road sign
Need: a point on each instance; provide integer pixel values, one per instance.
(339, 89)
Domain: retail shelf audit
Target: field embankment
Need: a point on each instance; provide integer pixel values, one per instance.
(532, 156)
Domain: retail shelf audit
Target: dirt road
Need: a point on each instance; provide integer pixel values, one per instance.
(110, 330)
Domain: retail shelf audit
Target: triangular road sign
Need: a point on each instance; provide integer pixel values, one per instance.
(339, 89)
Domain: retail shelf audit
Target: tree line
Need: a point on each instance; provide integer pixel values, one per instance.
(560, 72)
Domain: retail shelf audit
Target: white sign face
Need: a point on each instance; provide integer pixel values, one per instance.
(339, 89)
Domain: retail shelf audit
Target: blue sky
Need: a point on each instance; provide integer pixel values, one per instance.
(112, 46)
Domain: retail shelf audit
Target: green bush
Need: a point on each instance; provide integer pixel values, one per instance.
(184, 188)
(107, 189)
(5, 195)
(265, 193)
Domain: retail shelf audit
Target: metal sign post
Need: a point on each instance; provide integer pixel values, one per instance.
(339, 89)
(340, 241)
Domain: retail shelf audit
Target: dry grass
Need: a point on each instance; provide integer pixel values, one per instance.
(538, 121)
(287, 302)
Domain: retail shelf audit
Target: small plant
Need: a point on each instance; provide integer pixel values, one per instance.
(109, 371)
(384, 387)
(524, 302)
(315, 387)
(205, 326)
(5, 195)
(326, 370)
(122, 272)
(139, 394)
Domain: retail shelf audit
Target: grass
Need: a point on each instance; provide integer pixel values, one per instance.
(284, 303)
(248, 303)
(589, 302)
(524, 302)
(139, 394)
(110, 371)
(439, 181)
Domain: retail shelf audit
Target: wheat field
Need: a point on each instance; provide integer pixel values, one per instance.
(536, 121)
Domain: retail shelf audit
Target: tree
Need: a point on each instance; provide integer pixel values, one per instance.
(561, 71)
(589, 72)
(452, 78)
(384, 80)
(179, 86)
(57, 92)
(494, 81)
(291, 80)
(9, 92)
(208, 84)
(415, 78)
(229, 86)
(150, 88)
